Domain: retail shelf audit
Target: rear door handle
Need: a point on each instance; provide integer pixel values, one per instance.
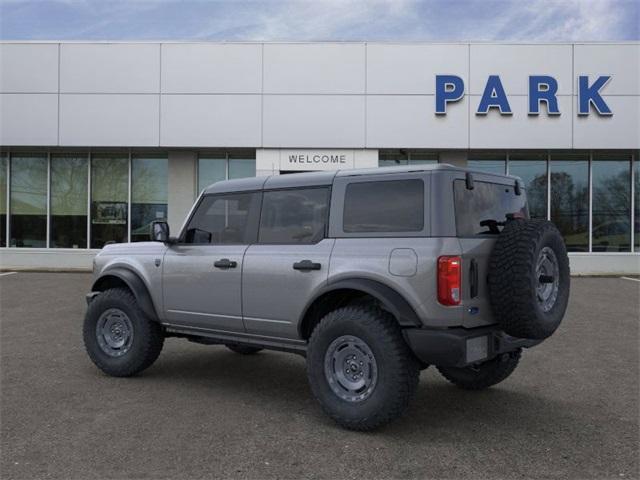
(306, 265)
(225, 263)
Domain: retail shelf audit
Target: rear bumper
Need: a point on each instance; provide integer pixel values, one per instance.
(459, 347)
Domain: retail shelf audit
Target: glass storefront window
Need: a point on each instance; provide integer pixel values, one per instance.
(392, 158)
(3, 199)
(422, 158)
(611, 205)
(488, 162)
(211, 169)
(28, 208)
(242, 165)
(532, 169)
(149, 194)
(214, 167)
(68, 227)
(570, 199)
(109, 194)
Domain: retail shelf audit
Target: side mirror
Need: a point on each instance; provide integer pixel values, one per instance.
(160, 231)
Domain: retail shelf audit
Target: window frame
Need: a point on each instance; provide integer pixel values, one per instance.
(340, 184)
(325, 233)
(252, 222)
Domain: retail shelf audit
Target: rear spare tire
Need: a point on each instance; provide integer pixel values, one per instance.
(529, 278)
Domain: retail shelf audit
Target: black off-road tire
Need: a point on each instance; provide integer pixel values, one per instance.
(243, 349)
(397, 369)
(513, 280)
(484, 375)
(147, 339)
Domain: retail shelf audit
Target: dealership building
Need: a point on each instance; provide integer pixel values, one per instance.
(97, 140)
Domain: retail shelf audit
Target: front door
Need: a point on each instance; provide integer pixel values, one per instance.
(289, 262)
(202, 273)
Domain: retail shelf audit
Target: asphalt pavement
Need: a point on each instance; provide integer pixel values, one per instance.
(569, 411)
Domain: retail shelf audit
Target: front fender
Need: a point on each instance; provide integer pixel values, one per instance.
(135, 284)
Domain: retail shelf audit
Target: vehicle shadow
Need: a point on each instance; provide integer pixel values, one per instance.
(280, 381)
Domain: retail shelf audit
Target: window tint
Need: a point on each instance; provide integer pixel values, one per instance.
(294, 216)
(487, 202)
(384, 206)
(224, 219)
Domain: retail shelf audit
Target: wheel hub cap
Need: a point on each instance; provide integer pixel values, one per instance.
(114, 332)
(350, 368)
(547, 278)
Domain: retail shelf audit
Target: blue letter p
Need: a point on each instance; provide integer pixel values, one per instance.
(449, 88)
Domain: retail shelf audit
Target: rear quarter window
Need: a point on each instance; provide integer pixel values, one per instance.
(384, 206)
(486, 202)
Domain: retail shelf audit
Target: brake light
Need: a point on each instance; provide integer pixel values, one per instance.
(449, 280)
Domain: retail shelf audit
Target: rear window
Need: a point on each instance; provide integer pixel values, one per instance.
(294, 216)
(487, 203)
(384, 206)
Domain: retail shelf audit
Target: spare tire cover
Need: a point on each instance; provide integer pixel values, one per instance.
(529, 278)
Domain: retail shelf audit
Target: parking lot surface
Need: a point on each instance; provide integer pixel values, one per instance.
(569, 411)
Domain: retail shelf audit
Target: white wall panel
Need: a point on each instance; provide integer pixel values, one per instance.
(109, 120)
(110, 68)
(313, 121)
(28, 119)
(314, 68)
(412, 69)
(396, 121)
(211, 68)
(620, 61)
(514, 64)
(521, 130)
(621, 130)
(211, 120)
(28, 68)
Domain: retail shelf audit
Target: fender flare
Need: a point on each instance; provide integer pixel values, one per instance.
(387, 296)
(135, 284)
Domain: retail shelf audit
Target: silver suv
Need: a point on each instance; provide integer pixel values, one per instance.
(370, 274)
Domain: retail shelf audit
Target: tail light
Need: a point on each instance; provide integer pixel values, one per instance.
(449, 280)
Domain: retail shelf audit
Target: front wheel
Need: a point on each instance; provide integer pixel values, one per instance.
(360, 368)
(120, 340)
(484, 375)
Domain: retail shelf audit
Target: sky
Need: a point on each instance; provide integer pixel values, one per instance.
(321, 20)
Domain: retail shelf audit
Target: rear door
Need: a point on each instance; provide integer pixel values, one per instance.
(289, 262)
(479, 214)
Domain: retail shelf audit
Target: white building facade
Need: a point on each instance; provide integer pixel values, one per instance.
(99, 139)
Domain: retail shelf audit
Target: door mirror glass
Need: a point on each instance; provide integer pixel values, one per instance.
(160, 232)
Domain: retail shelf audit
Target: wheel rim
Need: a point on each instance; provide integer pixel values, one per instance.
(548, 279)
(114, 332)
(350, 368)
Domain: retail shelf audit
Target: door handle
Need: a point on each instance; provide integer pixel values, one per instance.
(225, 263)
(306, 265)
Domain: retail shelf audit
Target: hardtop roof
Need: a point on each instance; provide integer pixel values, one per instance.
(312, 179)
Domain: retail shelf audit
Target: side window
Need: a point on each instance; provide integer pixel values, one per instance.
(294, 216)
(384, 206)
(224, 219)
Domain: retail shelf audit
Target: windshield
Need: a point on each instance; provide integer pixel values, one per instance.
(483, 210)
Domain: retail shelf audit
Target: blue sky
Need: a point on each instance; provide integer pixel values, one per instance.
(306, 20)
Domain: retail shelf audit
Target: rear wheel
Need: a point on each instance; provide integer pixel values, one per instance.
(242, 349)
(360, 368)
(120, 340)
(484, 375)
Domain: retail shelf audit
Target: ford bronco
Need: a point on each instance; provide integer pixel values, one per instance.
(372, 275)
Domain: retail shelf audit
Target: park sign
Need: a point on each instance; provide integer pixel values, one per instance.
(542, 89)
